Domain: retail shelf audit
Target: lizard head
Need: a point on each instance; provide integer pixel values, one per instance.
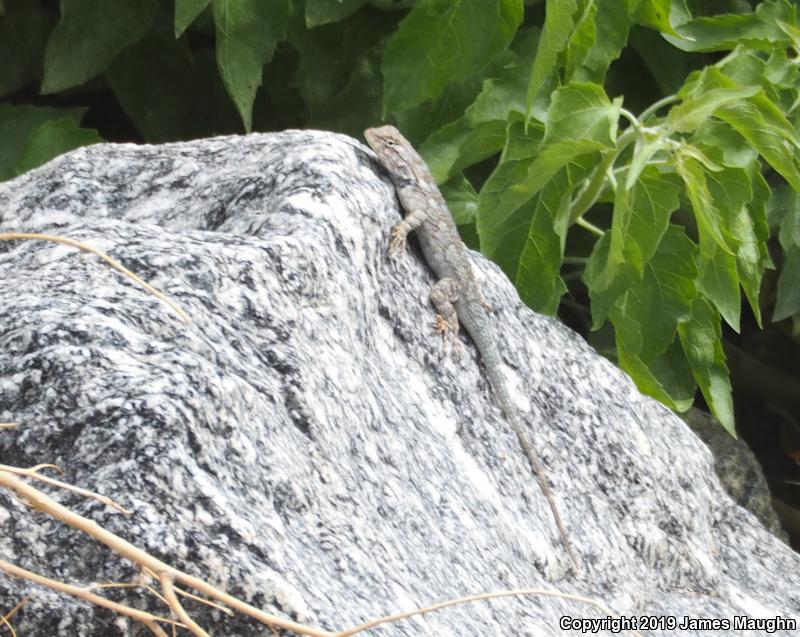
(393, 150)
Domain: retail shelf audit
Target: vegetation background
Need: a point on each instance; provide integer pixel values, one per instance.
(632, 165)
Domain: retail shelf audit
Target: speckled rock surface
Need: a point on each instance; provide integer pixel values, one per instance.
(300, 443)
(737, 469)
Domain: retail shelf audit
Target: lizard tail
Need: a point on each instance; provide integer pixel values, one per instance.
(491, 360)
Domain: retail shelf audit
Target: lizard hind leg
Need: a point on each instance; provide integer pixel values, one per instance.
(443, 295)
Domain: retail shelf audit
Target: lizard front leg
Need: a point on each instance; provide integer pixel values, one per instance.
(411, 221)
(443, 295)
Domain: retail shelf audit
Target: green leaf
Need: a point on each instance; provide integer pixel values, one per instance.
(719, 281)
(171, 94)
(559, 22)
(606, 284)
(733, 191)
(641, 218)
(792, 31)
(701, 341)
(668, 378)
(582, 111)
(692, 112)
(733, 149)
(789, 233)
(581, 120)
(481, 132)
(663, 298)
(247, 33)
(186, 12)
(745, 67)
(668, 65)
(788, 300)
(784, 210)
(525, 232)
(462, 200)
(759, 29)
(537, 273)
(498, 221)
(338, 72)
(750, 228)
(711, 224)
(458, 145)
(583, 38)
(52, 139)
(647, 316)
(152, 82)
(642, 154)
(356, 102)
(510, 193)
(421, 120)
(654, 14)
(504, 93)
(762, 124)
(23, 35)
(780, 71)
(89, 36)
(442, 41)
(17, 123)
(320, 12)
(611, 23)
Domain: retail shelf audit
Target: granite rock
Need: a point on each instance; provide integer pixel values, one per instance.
(301, 443)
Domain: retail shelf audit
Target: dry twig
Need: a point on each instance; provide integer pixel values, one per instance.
(474, 598)
(4, 619)
(33, 472)
(43, 502)
(167, 576)
(82, 593)
(10, 236)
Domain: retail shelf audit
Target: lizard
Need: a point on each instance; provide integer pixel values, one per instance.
(457, 295)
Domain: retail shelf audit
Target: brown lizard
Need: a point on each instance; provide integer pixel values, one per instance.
(456, 295)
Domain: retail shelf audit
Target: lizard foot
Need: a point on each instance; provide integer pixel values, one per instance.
(449, 335)
(398, 241)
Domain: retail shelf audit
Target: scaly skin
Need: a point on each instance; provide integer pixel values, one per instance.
(456, 295)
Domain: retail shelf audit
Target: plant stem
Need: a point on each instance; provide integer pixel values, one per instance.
(586, 225)
(650, 110)
(587, 198)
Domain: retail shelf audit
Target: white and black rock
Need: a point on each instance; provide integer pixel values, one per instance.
(300, 444)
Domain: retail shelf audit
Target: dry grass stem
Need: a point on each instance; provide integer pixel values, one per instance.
(202, 600)
(39, 500)
(10, 236)
(157, 630)
(82, 593)
(175, 605)
(473, 598)
(155, 593)
(167, 575)
(189, 595)
(5, 618)
(33, 472)
(7, 624)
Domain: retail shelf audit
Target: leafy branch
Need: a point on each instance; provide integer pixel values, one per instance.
(676, 198)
